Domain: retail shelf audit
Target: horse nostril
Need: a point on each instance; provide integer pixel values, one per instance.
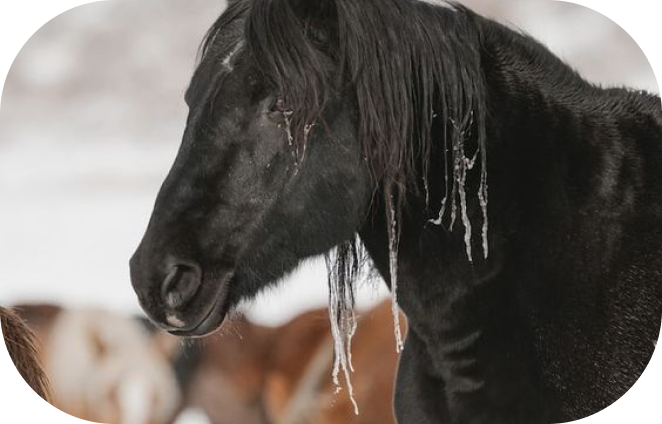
(180, 285)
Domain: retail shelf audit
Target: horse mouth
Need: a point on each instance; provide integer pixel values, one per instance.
(212, 319)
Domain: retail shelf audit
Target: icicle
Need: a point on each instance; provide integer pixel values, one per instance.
(461, 177)
(306, 131)
(482, 197)
(288, 131)
(461, 165)
(343, 328)
(393, 269)
(457, 165)
(349, 338)
(471, 162)
(440, 217)
(427, 192)
(294, 146)
(463, 210)
(482, 194)
(442, 211)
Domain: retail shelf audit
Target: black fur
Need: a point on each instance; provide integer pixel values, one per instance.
(361, 118)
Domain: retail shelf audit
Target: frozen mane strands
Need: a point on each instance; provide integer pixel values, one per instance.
(345, 266)
(412, 66)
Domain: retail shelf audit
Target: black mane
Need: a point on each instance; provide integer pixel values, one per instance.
(431, 82)
(426, 97)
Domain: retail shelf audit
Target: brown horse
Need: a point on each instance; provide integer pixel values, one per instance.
(105, 367)
(260, 375)
(250, 375)
(24, 352)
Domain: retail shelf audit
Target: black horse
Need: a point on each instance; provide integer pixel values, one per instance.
(310, 124)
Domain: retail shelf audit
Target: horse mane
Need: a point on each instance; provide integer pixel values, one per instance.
(411, 66)
(430, 78)
(414, 71)
(22, 346)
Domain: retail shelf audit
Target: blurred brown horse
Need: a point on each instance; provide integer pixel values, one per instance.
(104, 367)
(260, 375)
(23, 350)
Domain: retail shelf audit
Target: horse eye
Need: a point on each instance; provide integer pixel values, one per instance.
(252, 81)
(278, 109)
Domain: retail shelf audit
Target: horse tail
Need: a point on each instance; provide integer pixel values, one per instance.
(23, 350)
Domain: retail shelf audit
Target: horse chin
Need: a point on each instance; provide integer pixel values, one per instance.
(209, 325)
(213, 319)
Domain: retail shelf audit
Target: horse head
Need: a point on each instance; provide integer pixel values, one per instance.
(267, 174)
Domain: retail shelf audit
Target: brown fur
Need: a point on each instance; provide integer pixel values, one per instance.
(24, 352)
(96, 341)
(252, 374)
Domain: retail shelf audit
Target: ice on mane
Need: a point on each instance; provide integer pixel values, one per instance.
(461, 166)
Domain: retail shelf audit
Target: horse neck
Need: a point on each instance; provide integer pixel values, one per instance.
(531, 92)
(567, 137)
(546, 127)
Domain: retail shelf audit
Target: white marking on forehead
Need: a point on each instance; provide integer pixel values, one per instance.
(227, 61)
(439, 3)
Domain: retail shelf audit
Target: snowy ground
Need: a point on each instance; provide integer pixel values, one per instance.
(90, 122)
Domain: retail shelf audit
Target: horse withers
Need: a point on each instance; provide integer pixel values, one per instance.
(513, 208)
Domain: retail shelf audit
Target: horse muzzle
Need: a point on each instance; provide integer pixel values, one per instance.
(179, 297)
